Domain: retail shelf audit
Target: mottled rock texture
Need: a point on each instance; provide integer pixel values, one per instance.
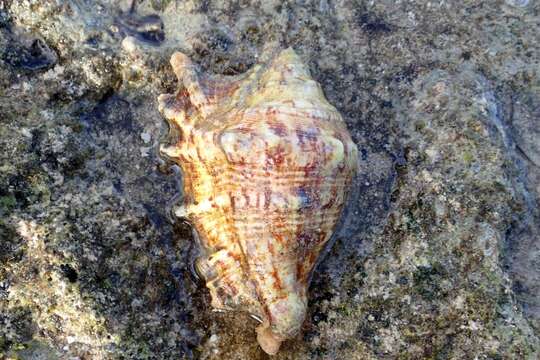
(437, 255)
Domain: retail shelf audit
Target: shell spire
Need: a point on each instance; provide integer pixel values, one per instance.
(267, 164)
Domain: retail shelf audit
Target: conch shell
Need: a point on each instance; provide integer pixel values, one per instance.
(267, 163)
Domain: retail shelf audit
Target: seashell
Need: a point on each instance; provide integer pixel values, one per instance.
(267, 164)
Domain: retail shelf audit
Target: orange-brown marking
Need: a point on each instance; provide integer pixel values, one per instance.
(236, 257)
(271, 248)
(278, 128)
(199, 154)
(277, 236)
(267, 198)
(277, 281)
(299, 270)
(245, 195)
(231, 200)
(275, 156)
(231, 288)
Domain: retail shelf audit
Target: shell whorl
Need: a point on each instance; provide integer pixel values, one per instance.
(267, 162)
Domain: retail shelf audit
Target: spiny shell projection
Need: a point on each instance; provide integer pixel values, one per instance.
(267, 163)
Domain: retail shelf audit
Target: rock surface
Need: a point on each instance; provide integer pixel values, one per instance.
(438, 252)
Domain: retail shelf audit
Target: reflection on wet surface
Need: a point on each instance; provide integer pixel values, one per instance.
(148, 29)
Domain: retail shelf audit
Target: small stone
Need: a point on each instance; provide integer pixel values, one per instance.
(146, 137)
(131, 46)
(214, 338)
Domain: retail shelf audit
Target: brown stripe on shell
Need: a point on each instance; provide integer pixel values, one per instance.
(277, 281)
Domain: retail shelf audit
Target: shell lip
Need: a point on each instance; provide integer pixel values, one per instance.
(268, 340)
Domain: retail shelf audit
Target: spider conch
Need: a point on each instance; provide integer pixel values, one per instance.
(267, 164)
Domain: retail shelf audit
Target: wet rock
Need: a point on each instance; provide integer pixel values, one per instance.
(31, 55)
(147, 29)
(437, 252)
